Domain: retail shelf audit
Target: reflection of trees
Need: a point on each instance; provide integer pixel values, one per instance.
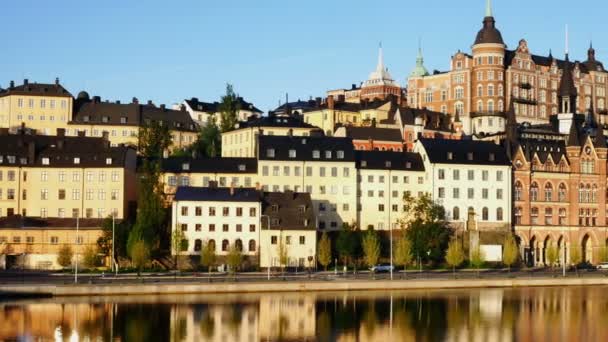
(142, 322)
(425, 316)
(207, 324)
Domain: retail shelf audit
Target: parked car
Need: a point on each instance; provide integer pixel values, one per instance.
(602, 266)
(382, 268)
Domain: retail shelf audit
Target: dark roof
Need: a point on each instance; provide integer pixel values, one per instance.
(30, 150)
(480, 152)
(387, 160)
(36, 89)
(591, 63)
(489, 34)
(375, 133)
(30, 223)
(129, 114)
(433, 120)
(209, 165)
(299, 105)
(274, 121)
(305, 148)
(566, 85)
(293, 210)
(211, 194)
(543, 149)
(354, 107)
(214, 107)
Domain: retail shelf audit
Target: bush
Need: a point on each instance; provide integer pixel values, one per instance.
(64, 256)
(89, 257)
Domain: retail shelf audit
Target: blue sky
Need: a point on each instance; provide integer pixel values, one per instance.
(170, 50)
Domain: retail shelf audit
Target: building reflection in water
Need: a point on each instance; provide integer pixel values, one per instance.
(541, 314)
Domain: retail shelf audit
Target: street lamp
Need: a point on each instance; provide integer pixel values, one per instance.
(76, 261)
(268, 228)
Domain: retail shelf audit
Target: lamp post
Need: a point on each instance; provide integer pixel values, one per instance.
(76, 256)
(113, 244)
(268, 229)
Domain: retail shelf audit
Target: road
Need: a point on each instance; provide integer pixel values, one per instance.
(27, 277)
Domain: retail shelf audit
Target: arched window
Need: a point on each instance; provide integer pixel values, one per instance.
(581, 193)
(501, 106)
(212, 245)
(534, 192)
(534, 216)
(499, 214)
(562, 193)
(198, 244)
(594, 194)
(587, 193)
(500, 90)
(239, 245)
(252, 245)
(518, 213)
(459, 108)
(484, 214)
(518, 191)
(548, 216)
(548, 192)
(480, 90)
(225, 245)
(490, 90)
(479, 106)
(456, 213)
(490, 106)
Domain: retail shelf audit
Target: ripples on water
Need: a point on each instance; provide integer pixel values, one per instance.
(539, 314)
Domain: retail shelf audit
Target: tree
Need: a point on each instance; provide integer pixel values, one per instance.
(576, 257)
(510, 252)
(179, 243)
(64, 256)
(324, 251)
(551, 255)
(140, 254)
(426, 228)
(229, 108)
(89, 258)
(403, 252)
(209, 141)
(346, 243)
(153, 139)
(234, 259)
(208, 256)
(477, 259)
(121, 234)
(283, 253)
(371, 247)
(454, 255)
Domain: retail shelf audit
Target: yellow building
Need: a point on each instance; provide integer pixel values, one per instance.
(43, 107)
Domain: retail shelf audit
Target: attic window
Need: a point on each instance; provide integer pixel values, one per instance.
(387, 164)
(185, 166)
(23, 161)
(45, 161)
(105, 119)
(274, 208)
(292, 153)
(270, 153)
(340, 154)
(242, 167)
(363, 163)
(470, 156)
(274, 222)
(108, 161)
(85, 118)
(408, 165)
(76, 160)
(492, 157)
(316, 154)
(450, 156)
(11, 159)
(303, 141)
(123, 119)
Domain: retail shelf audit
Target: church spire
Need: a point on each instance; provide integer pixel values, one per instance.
(380, 66)
(419, 70)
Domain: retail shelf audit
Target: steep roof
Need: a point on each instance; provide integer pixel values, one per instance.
(374, 133)
(387, 160)
(211, 194)
(441, 151)
(209, 165)
(305, 148)
(434, 120)
(274, 121)
(214, 107)
(288, 210)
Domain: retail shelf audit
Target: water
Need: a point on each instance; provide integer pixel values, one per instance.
(528, 314)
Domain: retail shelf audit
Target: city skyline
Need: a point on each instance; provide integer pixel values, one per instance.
(162, 61)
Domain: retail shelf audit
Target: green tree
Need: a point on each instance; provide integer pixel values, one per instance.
(510, 252)
(477, 259)
(121, 234)
(64, 256)
(153, 140)
(89, 257)
(403, 252)
(426, 228)
(346, 243)
(576, 257)
(179, 243)
(234, 258)
(551, 255)
(454, 255)
(140, 255)
(371, 247)
(324, 251)
(208, 256)
(229, 108)
(283, 253)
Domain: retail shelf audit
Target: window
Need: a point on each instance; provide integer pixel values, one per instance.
(456, 213)
(380, 207)
(534, 215)
(225, 245)
(499, 176)
(211, 211)
(252, 212)
(548, 192)
(471, 175)
(561, 195)
(225, 211)
(534, 192)
(562, 216)
(316, 154)
(441, 174)
(456, 174)
(184, 227)
(499, 194)
(54, 240)
(252, 228)
(61, 194)
(499, 214)
(184, 211)
(441, 192)
(470, 193)
(456, 193)
(251, 246)
(518, 191)
(548, 216)
(224, 227)
(484, 214)
(484, 193)
(518, 212)
(270, 153)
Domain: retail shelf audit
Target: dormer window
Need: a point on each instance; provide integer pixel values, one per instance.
(292, 153)
(340, 154)
(242, 167)
(45, 161)
(123, 119)
(185, 166)
(364, 163)
(23, 161)
(270, 153)
(85, 118)
(387, 164)
(470, 156)
(408, 165)
(76, 160)
(316, 154)
(492, 157)
(108, 161)
(328, 154)
(105, 119)
(304, 141)
(274, 222)
(450, 156)
(274, 208)
(11, 159)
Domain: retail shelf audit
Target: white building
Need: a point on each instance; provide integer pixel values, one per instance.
(469, 178)
(201, 111)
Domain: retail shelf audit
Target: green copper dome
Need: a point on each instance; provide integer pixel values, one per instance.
(419, 70)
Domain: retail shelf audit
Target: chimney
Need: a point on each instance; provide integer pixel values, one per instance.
(194, 99)
(318, 101)
(61, 132)
(330, 102)
(96, 99)
(31, 151)
(117, 101)
(354, 86)
(25, 82)
(162, 107)
(12, 84)
(150, 103)
(182, 107)
(56, 80)
(135, 100)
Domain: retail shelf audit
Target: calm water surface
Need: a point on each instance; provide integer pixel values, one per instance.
(540, 314)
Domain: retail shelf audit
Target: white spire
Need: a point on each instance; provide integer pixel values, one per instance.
(489, 8)
(380, 66)
(380, 76)
(567, 42)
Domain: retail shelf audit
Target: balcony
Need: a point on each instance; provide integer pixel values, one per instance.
(525, 101)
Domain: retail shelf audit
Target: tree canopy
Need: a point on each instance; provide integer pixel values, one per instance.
(229, 107)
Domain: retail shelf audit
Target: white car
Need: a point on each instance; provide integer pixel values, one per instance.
(602, 266)
(382, 268)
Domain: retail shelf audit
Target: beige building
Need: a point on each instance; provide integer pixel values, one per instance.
(242, 141)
